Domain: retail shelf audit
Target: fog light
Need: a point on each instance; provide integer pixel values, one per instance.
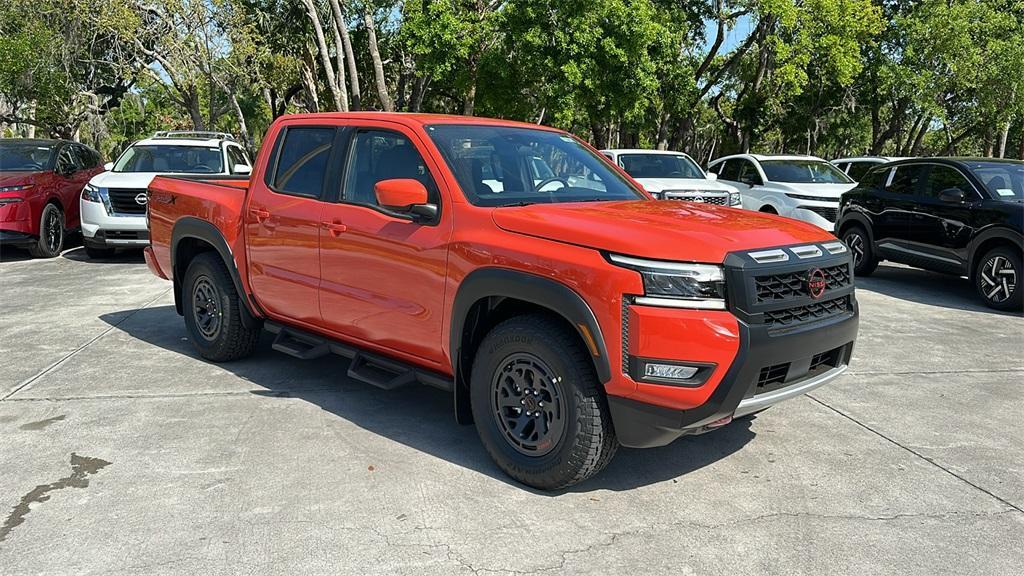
(669, 371)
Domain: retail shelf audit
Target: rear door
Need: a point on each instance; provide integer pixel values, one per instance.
(282, 223)
(383, 277)
(73, 165)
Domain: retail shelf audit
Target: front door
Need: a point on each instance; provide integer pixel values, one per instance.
(282, 224)
(940, 230)
(383, 277)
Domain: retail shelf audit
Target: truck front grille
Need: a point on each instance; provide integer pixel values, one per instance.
(123, 201)
(718, 198)
(776, 287)
(807, 312)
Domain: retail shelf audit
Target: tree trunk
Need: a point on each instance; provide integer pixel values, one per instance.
(325, 57)
(339, 55)
(309, 82)
(378, 66)
(341, 27)
(195, 111)
(1003, 135)
(915, 150)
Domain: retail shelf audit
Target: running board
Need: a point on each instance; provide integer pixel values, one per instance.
(367, 367)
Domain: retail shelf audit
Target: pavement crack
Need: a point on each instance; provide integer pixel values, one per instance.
(81, 468)
(90, 342)
(927, 459)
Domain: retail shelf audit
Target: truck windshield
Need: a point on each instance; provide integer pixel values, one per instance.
(507, 166)
(171, 159)
(25, 157)
(660, 166)
(803, 172)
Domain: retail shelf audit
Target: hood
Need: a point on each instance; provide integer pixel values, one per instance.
(16, 178)
(814, 189)
(660, 230)
(139, 180)
(661, 184)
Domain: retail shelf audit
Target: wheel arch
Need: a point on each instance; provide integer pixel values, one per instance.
(855, 219)
(987, 240)
(489, 295)
(192, 236)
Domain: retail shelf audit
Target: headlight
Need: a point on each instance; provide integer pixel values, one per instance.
(677, 284)
(735, 199)
(17, 188)
(91, 193)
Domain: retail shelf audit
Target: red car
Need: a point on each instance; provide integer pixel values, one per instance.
(40, 185)
(513, 266)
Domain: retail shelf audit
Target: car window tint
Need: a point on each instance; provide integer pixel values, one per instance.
(875, 177)
(906, 179)
(748, 173)
(302, 163)
(857, 170)
(729, 170)
(66, 161)
(944, 177)
(383, 155)
(236, 156)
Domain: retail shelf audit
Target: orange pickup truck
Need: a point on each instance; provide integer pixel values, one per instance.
(512, 266)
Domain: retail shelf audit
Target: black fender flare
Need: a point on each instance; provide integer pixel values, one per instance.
(551, 294)
(192, 227)
(858, 218)
(1011, 236)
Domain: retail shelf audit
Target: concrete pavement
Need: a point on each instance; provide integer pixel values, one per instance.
(121, 452)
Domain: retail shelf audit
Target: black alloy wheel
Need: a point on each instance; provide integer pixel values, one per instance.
(214, 311)
(864, 261)
(51, 233)
(998, 279)
(528, 404)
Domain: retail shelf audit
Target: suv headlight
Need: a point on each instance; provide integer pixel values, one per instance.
(91, 193)
(677, 284)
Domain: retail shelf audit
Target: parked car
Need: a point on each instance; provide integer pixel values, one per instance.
(673, 176)
(114, 202)
(857, 166)
(40, 182)
(802, 187)
(955, 215)
(564, 319)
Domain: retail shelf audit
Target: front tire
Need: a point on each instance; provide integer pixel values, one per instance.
(213, 311)
(537, 404)
(998, 279)
(51, 233)
(864, 259)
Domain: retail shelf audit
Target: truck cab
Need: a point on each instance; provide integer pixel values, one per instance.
(566, 315)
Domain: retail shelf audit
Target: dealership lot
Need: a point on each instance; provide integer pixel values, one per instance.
(121, 452)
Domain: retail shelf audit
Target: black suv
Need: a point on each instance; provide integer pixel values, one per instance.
(955, 215)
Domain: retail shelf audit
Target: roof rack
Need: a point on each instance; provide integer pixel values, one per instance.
(193, 134)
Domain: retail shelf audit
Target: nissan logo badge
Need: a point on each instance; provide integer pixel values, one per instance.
(816, 283)
(141, 199)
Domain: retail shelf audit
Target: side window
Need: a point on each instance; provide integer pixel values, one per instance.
(875, 178)
(302, 161)
(943, 177)
(748, 173)
(729, 170)
(66, 161)
(383, 155)
(236, 156)
(858, 170)
(845, 166)
(905, 179)
(608, 156)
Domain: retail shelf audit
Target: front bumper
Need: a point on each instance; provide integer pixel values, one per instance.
(775, 341)
(103, 230)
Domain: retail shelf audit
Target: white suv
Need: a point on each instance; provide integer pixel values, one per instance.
(858, 166)
(673, 176)
(802, 187)
(114, 202)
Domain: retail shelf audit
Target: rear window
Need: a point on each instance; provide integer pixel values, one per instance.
(302, 161)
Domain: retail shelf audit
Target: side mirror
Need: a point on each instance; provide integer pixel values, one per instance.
(244, 169)
(404, 195)
(108, 166)
(712, 176)
(952, 195)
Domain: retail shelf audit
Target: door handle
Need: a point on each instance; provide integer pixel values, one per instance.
(260, 214)
(335, 228)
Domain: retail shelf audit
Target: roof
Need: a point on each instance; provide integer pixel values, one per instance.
(875, 159)
(416, 118)
(642, 151)
(961, 160)
(34, 141)
(762, 157)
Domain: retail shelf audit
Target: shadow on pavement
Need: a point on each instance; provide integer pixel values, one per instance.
(924, 287)
(418, 416)
(127, 255)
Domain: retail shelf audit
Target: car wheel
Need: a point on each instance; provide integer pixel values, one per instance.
(213, 311)
(998, 279)
(864, 259)
(51, 233)
(537, 404)
(99, 253)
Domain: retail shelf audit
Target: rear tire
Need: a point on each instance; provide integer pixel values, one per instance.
(537, 404)
(864, 259)
(213, 311)
(998, 279)
(51, 233)
(99, 253)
